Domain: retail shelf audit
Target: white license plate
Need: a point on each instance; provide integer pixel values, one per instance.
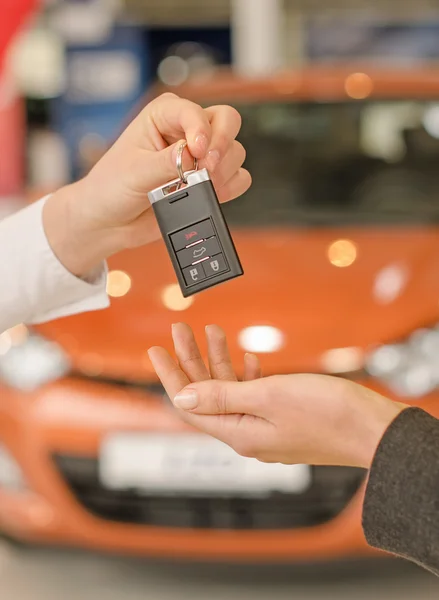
(192, 464)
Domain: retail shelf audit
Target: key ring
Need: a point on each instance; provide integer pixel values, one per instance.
(181, 173)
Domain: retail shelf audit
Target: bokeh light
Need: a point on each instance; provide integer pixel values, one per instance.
(358, 86)
(342, 253)
(118, 284)
(261, 338)
(173, 299)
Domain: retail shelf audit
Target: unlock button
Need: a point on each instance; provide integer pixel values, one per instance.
(215, 265)
(193, 274)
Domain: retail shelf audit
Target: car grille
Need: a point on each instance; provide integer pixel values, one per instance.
(331, 490)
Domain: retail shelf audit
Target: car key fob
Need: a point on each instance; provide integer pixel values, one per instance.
(195, 232)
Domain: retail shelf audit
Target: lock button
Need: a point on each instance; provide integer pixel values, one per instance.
(193, 274)
(215, 265)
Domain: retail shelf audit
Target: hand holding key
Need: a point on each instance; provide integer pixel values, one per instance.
(109, 211)
(311, 419)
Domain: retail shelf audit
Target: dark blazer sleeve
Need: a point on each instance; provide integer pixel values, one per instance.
(401, 507)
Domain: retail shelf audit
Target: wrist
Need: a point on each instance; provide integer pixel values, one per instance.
(77, 245)
(371, 424)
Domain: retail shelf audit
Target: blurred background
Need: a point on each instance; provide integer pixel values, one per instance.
(103, 491)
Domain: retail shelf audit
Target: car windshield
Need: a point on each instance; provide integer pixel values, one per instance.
(341, 163)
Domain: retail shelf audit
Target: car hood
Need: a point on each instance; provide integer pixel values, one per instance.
(329, 290)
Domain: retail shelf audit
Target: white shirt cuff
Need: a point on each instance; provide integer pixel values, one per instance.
(38, 287)
(72, 295)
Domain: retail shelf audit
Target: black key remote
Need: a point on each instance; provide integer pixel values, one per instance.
(195, 232)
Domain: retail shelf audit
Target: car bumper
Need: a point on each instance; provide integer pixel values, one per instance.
(71, 418)
(33, 518)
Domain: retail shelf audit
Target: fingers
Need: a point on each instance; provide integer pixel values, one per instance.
(210, 134)
(235, 187)
(176, 118)
(188, 353)
(148, 170)
(231, 163)
(171, 376)
(225, 122)
(252, 367)
(243, 433)
(230, 180)
(220, 363)
(215, 397)
(233, 429)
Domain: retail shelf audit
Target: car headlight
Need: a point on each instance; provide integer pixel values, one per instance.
(30, 361)
(409, 368)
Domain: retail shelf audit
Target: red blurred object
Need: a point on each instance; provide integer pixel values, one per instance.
(13, 14)
(12, 139)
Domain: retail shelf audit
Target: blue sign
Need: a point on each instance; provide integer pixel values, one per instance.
(104, 83)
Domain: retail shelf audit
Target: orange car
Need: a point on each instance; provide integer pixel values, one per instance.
(339, 241)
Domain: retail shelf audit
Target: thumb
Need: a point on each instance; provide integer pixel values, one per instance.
(161, 167)
(216, 397)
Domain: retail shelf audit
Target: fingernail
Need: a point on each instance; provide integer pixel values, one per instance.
(202, 142)
(213, 159)
(187, 400)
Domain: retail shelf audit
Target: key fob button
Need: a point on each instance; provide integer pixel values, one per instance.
(215, 265)
(198, 252)
(193, 274)
(192, 234)
(195, 232)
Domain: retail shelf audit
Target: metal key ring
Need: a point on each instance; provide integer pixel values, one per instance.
(181, 173)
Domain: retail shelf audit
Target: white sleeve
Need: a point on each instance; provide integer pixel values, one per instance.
(34, 286)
